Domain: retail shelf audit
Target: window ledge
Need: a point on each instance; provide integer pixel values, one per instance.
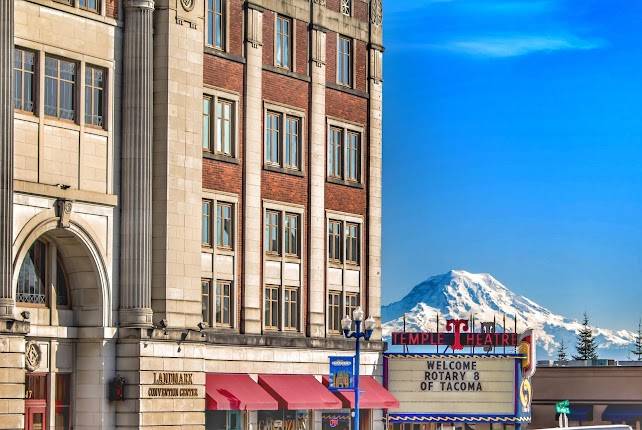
(345, 183)
(280, 169)
(222, 54)
(286, 72)
(223, 158)
(347, 90)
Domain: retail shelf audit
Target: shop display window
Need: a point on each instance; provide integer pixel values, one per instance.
(284, 420)
(223, 420)
(336, 420)
(63, 391)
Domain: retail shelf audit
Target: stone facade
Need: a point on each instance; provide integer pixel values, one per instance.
(138, 192)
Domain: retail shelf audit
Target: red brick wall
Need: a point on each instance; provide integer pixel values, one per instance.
(268, 37)
(359, 8)
(345, 106)
(111, 7)
(302, 39)
(361, 70)
(235, 31)
(331, 57)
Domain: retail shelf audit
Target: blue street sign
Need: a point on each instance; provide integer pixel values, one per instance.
(341, 373)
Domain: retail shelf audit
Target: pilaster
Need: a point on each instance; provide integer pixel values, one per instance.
(317, 185)
(7, 299)
(137, 147)
(253, 221)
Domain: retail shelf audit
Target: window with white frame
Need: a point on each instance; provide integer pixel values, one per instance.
(344, 154)
(346, 7)
(273, 232)
(344, 61)
(217, 302)
(283, 140)
(272, 308)
(91, 5)
(217, 224)
(334, 311)
(24, 72)
(291, 308)
(352, 303)
(95, 78)
(60, 88)
(291, 234)
(283, 44)
(219, 125)
(216, 23)
(344, 235)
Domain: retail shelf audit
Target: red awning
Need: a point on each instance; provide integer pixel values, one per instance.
(373, 395)
(236, 393)
(295, 392)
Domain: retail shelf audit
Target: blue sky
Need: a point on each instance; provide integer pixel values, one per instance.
(513, 145)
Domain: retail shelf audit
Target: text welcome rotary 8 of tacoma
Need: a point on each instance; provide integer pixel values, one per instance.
(453, 385)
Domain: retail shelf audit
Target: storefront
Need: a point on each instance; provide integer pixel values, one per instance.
(288, 402)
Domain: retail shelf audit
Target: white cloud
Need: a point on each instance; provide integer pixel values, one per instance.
(518, 45)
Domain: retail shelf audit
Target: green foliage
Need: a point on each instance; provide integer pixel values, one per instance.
(561, 352)
(586, 345)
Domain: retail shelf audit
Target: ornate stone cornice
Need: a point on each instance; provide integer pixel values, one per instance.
(139, 4)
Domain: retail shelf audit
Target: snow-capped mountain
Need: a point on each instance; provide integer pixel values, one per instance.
(459, 294)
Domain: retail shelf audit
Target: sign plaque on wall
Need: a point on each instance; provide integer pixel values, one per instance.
(172, 384)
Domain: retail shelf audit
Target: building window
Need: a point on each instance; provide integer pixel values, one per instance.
(94, 95)
(291, 320)
(335, 153)
(63, 401)
(224, 225)
(223, 304)
(344, 61)
(272, 232)
(292, 142)
(31, 287)
(206, 223)
(206, 286)
(224, 420)
(346, 7)
(352, 243)
(291, 234)
(219, 126)
(272, 138)
(352, 303)
(24, 70)
(283, 149)
(334, 240)
(60, 88)
(344, 154)
(92, 5)
(272, 310)
(216, 23)
(283, 42)
(334, 312)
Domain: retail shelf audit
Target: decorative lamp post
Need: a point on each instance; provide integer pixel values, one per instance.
(357, 334)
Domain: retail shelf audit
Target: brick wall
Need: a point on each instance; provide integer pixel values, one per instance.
(111, 7)
(268, 37)
(302, 39)
(235, 32)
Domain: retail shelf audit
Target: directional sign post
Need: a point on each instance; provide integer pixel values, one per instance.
(563, 408)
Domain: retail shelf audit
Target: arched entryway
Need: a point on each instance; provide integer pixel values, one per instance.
(62, 286)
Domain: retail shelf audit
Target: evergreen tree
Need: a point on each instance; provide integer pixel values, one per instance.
(586, 346)
(637, 344)
(562, 356)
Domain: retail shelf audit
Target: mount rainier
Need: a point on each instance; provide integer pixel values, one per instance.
(459, 294)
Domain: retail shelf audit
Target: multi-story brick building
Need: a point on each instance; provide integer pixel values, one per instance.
(190, 201)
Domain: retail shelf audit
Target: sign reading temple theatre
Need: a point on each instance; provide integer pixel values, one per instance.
(465, 387)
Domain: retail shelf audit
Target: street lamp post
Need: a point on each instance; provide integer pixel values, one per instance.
(357, 334)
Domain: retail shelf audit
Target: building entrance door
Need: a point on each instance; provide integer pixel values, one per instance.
(36, 417)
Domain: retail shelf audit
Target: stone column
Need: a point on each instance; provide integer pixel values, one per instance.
(253, 221)
(374, 188)
(7, 300)
(317, 187)
(136, 184)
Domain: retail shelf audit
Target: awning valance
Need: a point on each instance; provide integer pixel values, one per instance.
(373, 395)
(232, 392)
(622, 413)
(298, 392)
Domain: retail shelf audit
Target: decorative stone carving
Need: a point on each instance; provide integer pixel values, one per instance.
(318, 47)
(63, 212)
(319, 2)
(255, 27)
(376, 65)
(376, 12)
(188, 5)
(33, 356)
